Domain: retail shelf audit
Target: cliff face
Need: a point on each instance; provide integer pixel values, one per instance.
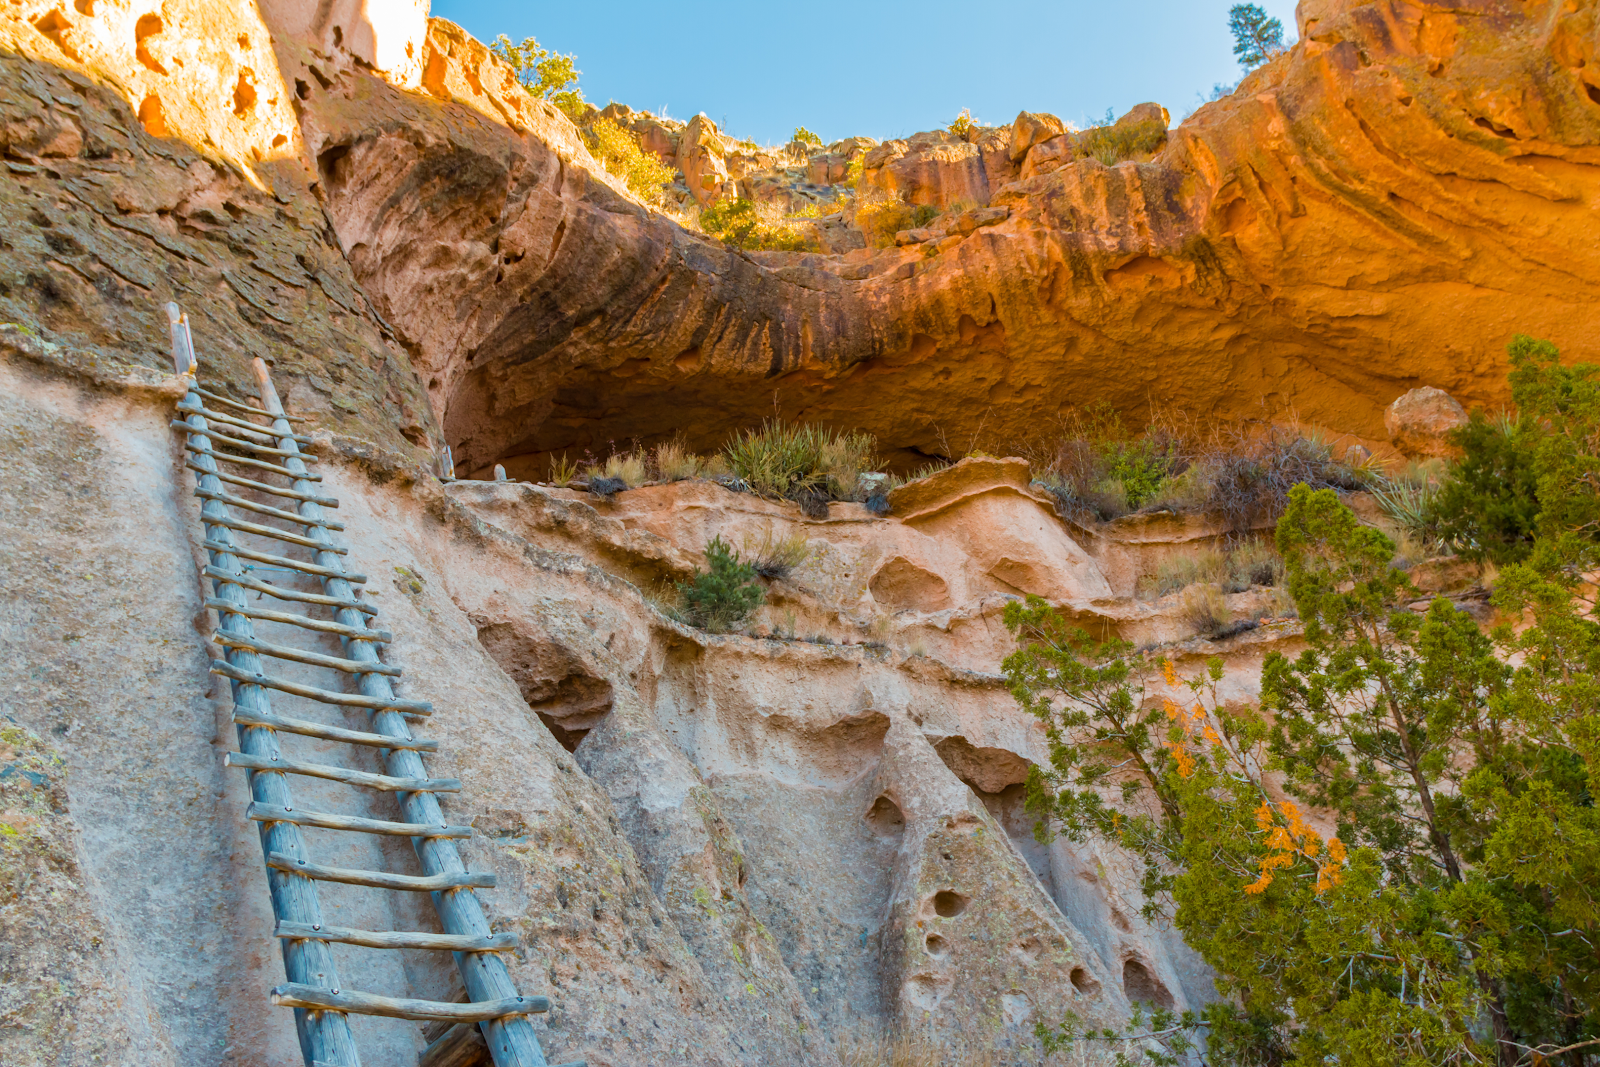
(719, 850)
(1380, 209)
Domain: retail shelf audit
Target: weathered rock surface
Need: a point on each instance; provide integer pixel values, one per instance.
(756, 843)
(151, 157)
(1384, 205)
(1419, 422)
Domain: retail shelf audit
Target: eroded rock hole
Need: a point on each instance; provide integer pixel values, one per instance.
(244, 93)
(333, 163)
(1029, 949)
(568, 696)
(1142, 987)
(885, 817)
(947, 903)
(152, 116)
(1084, 982)
(938, 947)
(147, 27)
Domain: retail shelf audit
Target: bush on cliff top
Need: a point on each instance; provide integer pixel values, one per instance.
(1111, 144)
(1099, 469)
(743, 224)
(618, 151)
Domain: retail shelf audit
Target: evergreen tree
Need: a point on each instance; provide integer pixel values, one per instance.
(1395, 859)
(726, 594)
(1256, 38)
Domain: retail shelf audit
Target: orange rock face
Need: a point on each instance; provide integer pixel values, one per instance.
(1378, 210)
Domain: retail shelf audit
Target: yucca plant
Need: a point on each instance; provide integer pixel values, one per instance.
(787, 460)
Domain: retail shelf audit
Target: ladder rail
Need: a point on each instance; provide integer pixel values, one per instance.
(512, 1040)
(325, 1036)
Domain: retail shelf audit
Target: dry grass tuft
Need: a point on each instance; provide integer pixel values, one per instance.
(1204, 609)
(563, 470)
(777, 557)
(630, 468)
(674, 462)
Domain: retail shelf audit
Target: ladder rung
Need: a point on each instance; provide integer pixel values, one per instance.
(230, 402)
(277, 513)
(283, 593)
(342, 774)
(273, 532)
(265, 431)
(284, 561)
(316, 659)
(291, 619)
(325, 501)
(258, 812)
(246, 461)
(327, 696)
(386, 939)
(294, 995)
(237, 442)
(245, 717)
(411, 883)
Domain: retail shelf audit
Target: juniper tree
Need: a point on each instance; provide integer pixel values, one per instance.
(1395, 858)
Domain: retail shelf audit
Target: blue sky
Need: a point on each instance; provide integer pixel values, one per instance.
(879, 68)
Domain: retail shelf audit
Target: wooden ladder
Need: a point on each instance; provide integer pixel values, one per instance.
(321, 1002)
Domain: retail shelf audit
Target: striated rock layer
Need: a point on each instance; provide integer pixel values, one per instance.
(718, 850)
(1378, 210)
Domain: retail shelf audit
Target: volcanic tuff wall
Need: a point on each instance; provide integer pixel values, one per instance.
(1379, 209)
(755, 842)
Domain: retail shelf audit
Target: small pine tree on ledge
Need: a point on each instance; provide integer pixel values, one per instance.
(726, 594)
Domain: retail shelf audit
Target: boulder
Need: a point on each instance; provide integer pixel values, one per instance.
(1419, 422)
(917, 236)
(969, 221)
(937, 169)
(1049, 155)
(658, 140)
(827, 168)
(1146, 112)
(853, 147)
(1029, 129)
(700, 157)
(621, 114)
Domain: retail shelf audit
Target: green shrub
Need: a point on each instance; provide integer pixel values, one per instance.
(1111, 144)
(880, 217)
(618, 151)
(1411, 507)
(725, 595)
(1524, 476)
(805, 136)
(1488, 506)
(740, 223)
(963, 123)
